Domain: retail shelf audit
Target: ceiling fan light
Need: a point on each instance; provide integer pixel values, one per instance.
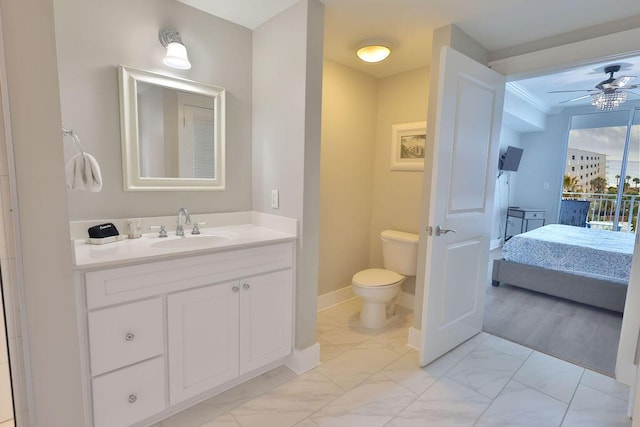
(608, 101)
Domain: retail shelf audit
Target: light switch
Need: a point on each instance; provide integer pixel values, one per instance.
(275, 199)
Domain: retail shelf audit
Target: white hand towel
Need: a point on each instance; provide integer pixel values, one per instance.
(83, 173)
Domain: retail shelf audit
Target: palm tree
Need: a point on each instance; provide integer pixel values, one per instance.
(617, 180)
(599, 184)
(636, 181)
(570, 183)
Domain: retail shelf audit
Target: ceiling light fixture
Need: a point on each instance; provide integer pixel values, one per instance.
(176, 56)
(608, 101)
(373, 50)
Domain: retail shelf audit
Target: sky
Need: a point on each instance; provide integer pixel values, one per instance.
(609, 141)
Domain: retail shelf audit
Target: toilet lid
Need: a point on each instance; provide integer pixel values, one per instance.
(376, 277)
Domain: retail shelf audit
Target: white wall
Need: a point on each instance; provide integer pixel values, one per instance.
(542, 166)
(45, 250)
(92, 38)
(349, 110)
(505, 186)
(287, 97)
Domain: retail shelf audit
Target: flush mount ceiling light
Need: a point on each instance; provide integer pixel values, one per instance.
(176, 56)
(373, 50)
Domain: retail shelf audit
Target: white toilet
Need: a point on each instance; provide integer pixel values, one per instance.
(379, 287)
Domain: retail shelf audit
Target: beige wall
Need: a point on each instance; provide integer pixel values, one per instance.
(397, 195)
(287, 96)
(360, 195)
(45, 250)
(349, 112)
(92, 38)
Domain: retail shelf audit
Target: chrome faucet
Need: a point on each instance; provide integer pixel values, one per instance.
(187, 220)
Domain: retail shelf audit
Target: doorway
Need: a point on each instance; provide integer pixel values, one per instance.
(589, 169)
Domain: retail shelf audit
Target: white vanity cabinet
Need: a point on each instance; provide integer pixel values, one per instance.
(203, 331)
(265, 332)
(164, 335)
(219, 332)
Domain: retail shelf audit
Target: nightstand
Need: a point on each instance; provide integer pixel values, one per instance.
(525, 215)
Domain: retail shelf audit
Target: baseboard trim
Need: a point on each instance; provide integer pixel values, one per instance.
(336, 297)
(415, 338)
(495, 243)
(345, 294)
(301, 361)
(406, 300)
(625, 372)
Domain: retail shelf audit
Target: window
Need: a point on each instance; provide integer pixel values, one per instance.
(611, 162)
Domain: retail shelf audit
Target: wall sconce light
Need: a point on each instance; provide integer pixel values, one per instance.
(176, 56)
(373, 50)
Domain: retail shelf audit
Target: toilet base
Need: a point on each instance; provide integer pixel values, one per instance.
(374, 315)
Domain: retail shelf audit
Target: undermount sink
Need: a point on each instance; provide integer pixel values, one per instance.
(191, 241)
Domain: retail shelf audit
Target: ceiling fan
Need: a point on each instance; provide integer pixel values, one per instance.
(609, 93)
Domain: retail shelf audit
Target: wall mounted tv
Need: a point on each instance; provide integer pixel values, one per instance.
(510, 160)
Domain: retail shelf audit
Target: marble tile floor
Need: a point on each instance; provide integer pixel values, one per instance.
(372, 378)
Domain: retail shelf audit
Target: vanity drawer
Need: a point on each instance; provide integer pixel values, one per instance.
(122, 284)
(121, 336)
(129, 395)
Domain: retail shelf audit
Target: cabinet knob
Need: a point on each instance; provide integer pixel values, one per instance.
(133, 398)
(130, 337)
(236, 289)
(246, 286)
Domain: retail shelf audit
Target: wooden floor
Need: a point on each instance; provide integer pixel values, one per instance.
(581, 334)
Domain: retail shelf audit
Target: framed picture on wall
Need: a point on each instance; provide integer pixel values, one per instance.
(407, 146)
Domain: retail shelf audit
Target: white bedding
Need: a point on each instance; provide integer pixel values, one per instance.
(583, 251)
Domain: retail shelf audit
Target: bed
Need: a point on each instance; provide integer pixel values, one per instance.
(586, 265)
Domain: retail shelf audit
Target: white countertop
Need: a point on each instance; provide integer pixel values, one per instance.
(145, 249)
(234, 230)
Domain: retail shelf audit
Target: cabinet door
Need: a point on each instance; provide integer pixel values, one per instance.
(203, 339)
(266, 309)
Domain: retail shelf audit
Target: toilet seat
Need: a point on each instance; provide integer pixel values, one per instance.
(376, 277)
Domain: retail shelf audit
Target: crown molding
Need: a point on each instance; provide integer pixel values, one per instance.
(515, 89)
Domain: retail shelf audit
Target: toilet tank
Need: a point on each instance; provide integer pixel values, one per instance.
(400, 251)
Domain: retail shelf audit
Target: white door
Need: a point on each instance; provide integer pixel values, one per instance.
(203, 339)
(466, 150)
(266, 310)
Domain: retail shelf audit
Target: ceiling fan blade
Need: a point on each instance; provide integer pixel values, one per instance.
(632, 93)
(622, 81)
(579, 90)
(575, 99)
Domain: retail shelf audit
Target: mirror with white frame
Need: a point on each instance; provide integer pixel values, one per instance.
(172, 132)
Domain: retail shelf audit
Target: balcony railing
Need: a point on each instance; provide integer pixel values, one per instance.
(602, 210)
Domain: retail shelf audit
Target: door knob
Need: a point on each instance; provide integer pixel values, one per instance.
(440, 231)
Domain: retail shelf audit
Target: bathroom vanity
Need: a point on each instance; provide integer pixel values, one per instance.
(166, 323)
